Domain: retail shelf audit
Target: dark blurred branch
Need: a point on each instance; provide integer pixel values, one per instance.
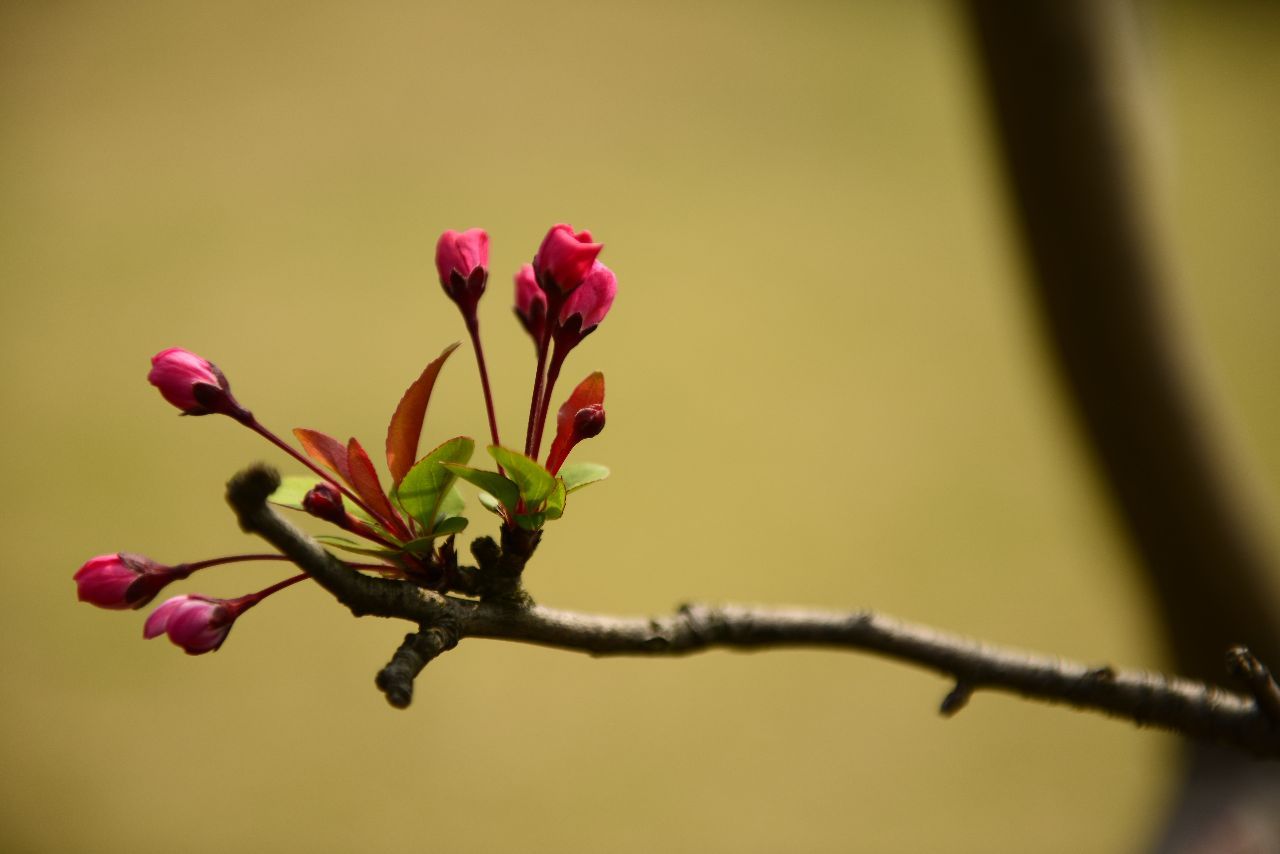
(1065, 87)
(1192, 708)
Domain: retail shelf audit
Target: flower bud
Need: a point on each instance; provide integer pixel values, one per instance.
(198, 624)
(581, 417)
(193, 384)
(564, 258)
(462, 260)
(123, 580)
(324, 501)
(531, 303)
(586, 307)
(587, 423)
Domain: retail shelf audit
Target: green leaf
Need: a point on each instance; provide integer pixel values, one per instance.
(447, 527)
(534, 482)
(578, 475)
(555, 503)
(424, 488)
(451, 506)
(353, 546)
(497, 486)
(531, 521)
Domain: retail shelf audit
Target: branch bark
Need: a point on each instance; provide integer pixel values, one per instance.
(1195, 709)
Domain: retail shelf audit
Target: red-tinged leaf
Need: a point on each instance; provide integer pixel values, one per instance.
(325, 450)
(589, 391)
(406, 423)
(364, 480)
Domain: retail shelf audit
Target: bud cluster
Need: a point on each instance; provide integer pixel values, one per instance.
(408, 530)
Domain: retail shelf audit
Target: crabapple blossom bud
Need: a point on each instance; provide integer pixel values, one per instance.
(564, 259)
(462, 260)
(586, 307)
(588, 423)
(581, 417)
(198, 624)
(123, 580)
(325, 502)
(531, 303)
(193, 384)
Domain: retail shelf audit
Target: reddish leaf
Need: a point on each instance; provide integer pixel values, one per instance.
(326, 450)
(406, 424)
(589, 391)
(364, 480)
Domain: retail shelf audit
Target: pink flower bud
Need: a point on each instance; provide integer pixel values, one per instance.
(123, 580)
(325, 502)
(193, 384)
(589, 303)
(462, 260)
(564, 258)
(198, 624)
(531, 303)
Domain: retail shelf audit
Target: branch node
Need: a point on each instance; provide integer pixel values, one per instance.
(957, 698)
(416, 652)
(248, 490)
(1253, 674)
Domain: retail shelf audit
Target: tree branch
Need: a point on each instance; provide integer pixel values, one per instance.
(1195, 709)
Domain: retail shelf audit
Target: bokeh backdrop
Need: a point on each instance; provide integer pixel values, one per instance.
(825, 387)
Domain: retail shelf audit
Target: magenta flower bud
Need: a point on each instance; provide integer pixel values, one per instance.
(198, 624)
(324, 501)
(462, 260)
(193, 384)
(586, 306)
(564, 258)
(124, 580)
(531, 303)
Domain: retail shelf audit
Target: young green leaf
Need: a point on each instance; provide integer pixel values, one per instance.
(406, 424)
(578, 475)
(556, 501)
(353, 546)
(534, 482)
(497, 486)
(424, 488)
(531, 521)
(448, 527)
(452, 506)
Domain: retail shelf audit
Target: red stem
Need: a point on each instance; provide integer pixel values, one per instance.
(543, 346)
(553, 374)
(218, 561)
(473, 329)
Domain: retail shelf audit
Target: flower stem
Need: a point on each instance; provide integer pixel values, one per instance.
(473, 329)
(553, 374)
(534, 404)
(217, 561)
(244, 603)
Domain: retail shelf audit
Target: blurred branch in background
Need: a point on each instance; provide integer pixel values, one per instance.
(1195, 709)
(1066, 95)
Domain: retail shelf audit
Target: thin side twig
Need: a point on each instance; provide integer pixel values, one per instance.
(1195, 709)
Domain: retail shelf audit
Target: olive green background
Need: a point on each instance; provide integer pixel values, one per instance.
(825, 387)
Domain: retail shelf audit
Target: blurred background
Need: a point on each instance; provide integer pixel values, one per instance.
(825, 387)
